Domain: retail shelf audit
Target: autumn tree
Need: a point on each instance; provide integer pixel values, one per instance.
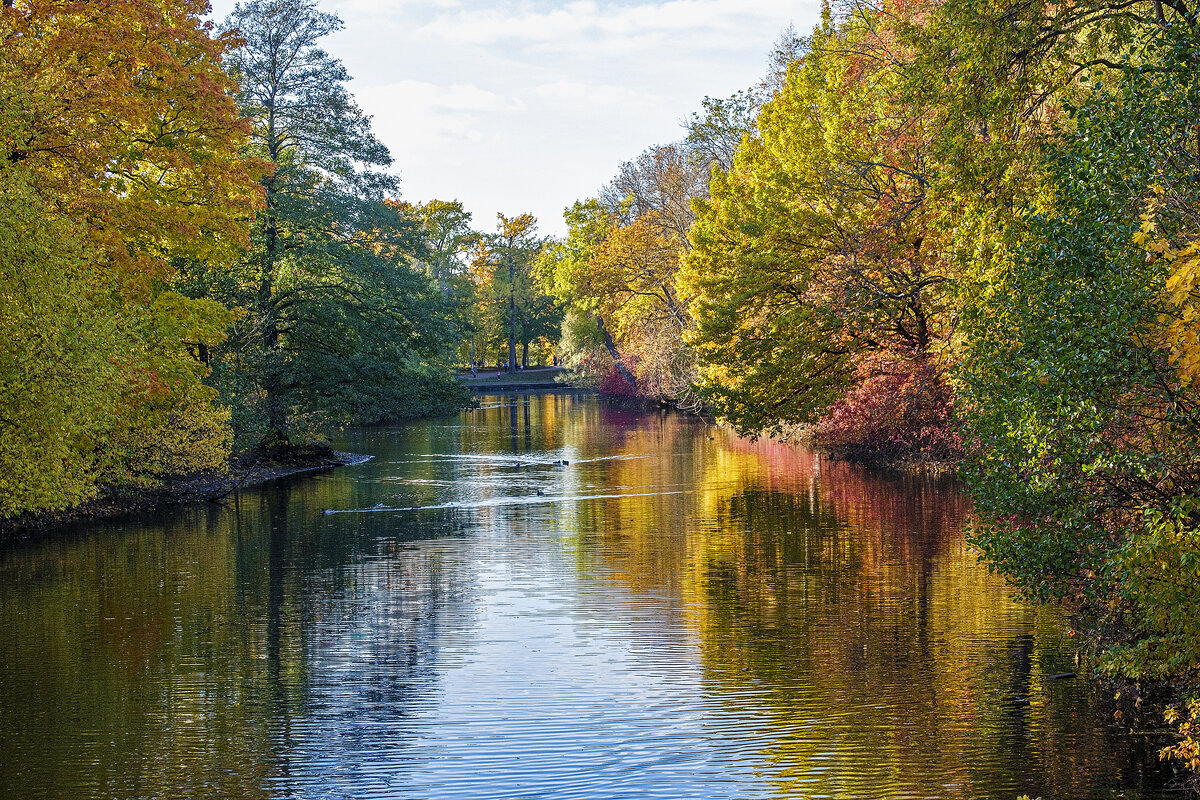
(715, 133)
(120, 147)
(617, 270)
(1076, 373)
(448, 239)
(513, 307)
(1067, 156)
(815, 267)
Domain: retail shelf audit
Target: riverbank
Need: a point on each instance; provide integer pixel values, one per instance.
(185, 490)
(526, 380)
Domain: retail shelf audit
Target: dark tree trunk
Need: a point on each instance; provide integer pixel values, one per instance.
(271, 380)
(512, 314)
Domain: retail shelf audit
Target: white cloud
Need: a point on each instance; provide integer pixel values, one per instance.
(719, 22)
(456, 97)
(595, 98)
(528, 105)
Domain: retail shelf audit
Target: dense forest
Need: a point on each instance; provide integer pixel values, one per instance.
(951, 233)
(947, 233)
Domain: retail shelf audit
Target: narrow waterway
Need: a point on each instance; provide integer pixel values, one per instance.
(673, 612)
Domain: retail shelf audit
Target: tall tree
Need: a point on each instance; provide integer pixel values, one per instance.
(448, 244)
(618, 268)
(503, 266)
(1077, 375)
(816, 254)
(340, 324)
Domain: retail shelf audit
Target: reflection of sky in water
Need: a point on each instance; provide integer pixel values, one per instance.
(678, 614)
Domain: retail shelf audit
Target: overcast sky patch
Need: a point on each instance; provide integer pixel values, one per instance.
(529, 106)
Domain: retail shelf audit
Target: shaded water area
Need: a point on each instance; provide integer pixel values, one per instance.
(674, 613)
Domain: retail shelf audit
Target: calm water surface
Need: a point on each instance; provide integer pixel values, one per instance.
(674, 613)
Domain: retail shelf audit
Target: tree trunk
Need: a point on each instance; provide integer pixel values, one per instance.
(274, 405)
(474, 371)
(512, 314)
(524, 355)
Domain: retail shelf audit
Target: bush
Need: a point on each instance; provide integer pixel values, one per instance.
(900, 409)
(613, 384)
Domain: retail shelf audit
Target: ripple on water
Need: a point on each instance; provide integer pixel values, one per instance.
(677, 616)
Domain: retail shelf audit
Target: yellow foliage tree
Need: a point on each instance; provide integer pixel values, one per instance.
(59, 345)
(1183, 291)
(120, 151)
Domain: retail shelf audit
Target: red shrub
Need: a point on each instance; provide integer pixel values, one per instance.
(900, 409)
(613, 384)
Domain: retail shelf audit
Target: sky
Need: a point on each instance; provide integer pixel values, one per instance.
(529, 105)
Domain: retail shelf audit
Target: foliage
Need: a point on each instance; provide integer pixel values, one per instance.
(513, 308)
(619, 264)
(716, 132)
(120, 152)
(1187, 750)
(195, 437)
(124, 114)
(613, 384)
(59, 379)
(339, 321)
(1159, 570)
(899, 409)
(1183, 291)
(817, 247)
(1078, 422)
(582, 346)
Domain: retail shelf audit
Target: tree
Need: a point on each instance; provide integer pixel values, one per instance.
(448, 238)
(618, 267)
(816, 253)
(716, 132)
(339, 323)
(515, 308)
(563, 271)
(1085, 431)
(449, 242)
(60, 384)
(123, 112)
(119, 154)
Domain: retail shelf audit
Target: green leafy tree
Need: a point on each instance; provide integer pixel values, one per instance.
(449, 243)
(1083, 418)
(339, 323)
(514, 308)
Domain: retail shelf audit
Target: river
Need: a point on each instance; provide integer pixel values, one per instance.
(674, 612)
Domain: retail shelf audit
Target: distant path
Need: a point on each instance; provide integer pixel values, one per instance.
(526, 380)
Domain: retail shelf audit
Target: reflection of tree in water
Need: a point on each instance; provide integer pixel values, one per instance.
(881, 659)
(848, 641)
(893, 662)
(213, 652)
(372, 653)
(354, 624)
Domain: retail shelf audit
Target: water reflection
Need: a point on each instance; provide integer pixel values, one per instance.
(544, 597)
